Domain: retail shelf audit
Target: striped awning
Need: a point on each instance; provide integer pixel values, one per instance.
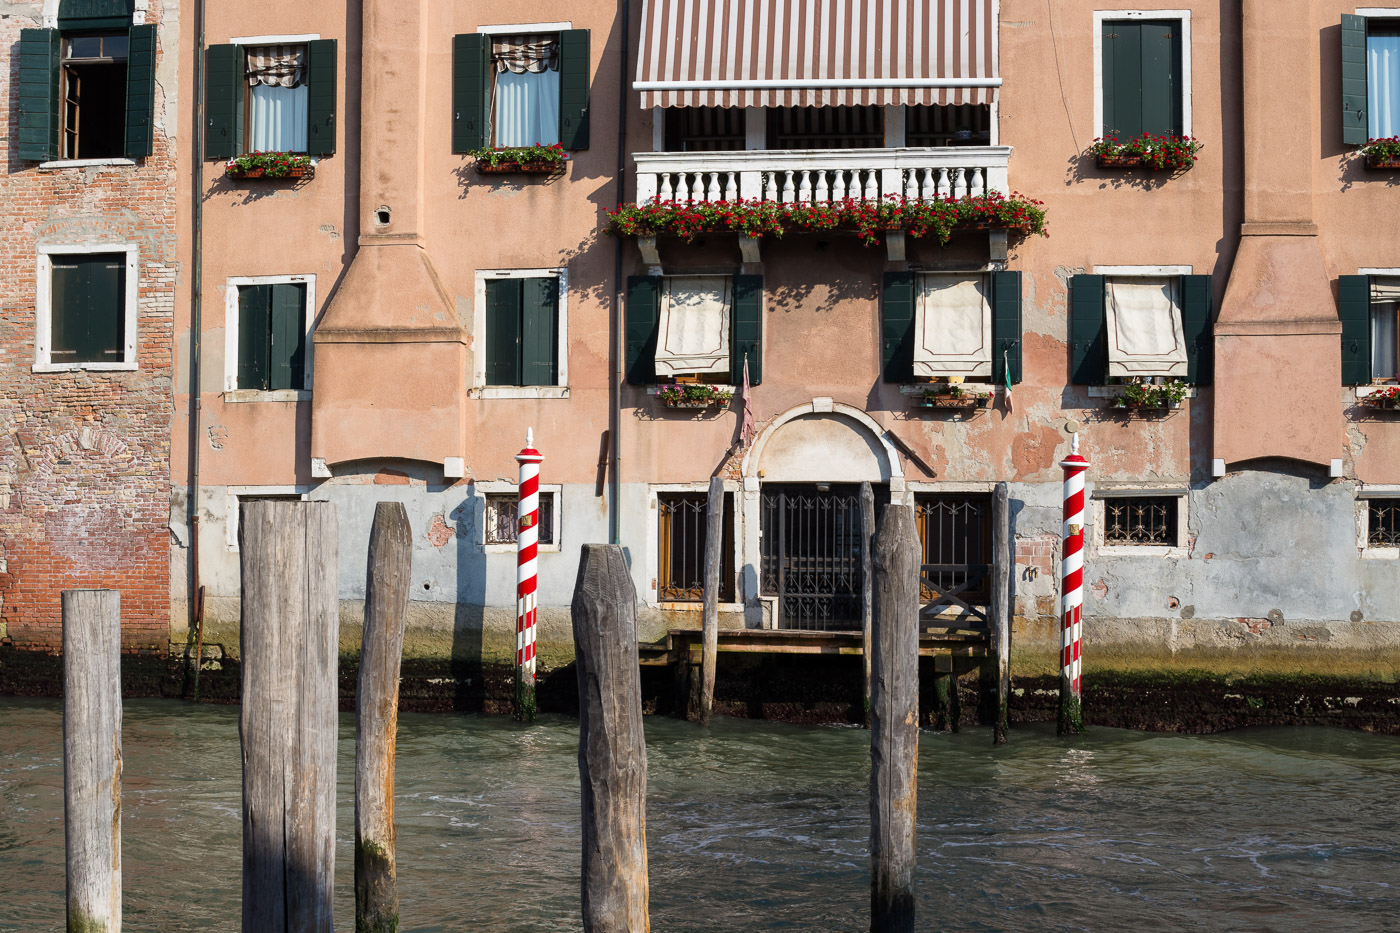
(817, 53)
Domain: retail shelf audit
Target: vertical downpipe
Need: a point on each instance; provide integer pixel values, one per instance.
(196, 605)
(619, 334)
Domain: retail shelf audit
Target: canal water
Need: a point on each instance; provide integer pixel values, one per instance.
(759, 826)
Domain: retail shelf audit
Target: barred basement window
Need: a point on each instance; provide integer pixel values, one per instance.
(681, 547)
(503, 517)
(1383, 522)
(1145, 520)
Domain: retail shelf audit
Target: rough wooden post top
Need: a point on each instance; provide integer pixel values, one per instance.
(896, 538)
(392, 514)
(603, 573)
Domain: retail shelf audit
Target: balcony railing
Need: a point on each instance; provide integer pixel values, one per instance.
(819, 175)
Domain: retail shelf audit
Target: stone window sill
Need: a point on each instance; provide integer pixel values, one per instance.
(1142, 550)
(537, 392)
(90, 367)
(85, 163)
(260, 395)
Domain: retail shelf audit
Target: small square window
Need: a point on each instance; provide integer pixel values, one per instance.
(525, 97)
(272, 336)
(1383, 522)
(682, 534)
(88, 308)
(1141, 521)
(93, 88)
(503, 518)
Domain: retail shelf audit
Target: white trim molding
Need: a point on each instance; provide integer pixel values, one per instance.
(1100, 16)
(1100, 494)
(1364, 495)
(1379, 12)
(894, 470)
(511, 29)
(1142, 270)
(275, 40)
(479, 388)
(232, 393)
(653, 545)
(43, 305)
(480, 490)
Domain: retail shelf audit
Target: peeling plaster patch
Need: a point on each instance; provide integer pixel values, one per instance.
(1256, 626)
(1034, 452)
(328, 230)
(217, 435)
(1173, 602)
(1357, 615)
(388, 477)
(1100, 589)
(1188, 612)
(439, 532)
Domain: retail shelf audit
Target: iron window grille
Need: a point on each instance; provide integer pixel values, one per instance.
(1383, 522)
(1141, 520)
(682, 533)
(503, 518)
(955, 533)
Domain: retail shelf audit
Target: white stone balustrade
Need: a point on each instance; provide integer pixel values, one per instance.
(797, 176)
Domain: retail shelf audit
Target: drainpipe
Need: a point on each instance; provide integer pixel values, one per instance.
(196, 605)
(620, 337)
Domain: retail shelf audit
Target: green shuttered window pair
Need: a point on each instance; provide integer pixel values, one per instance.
(51, 99)
(1370, 314)
(1088, 329)
(522, 332)
(272, 336)
(226, 94)
(898, 319)
(88, 308)
(474, 79)
(644, 318)
(1142, 78)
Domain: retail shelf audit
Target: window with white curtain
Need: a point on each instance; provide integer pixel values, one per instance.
(953, 327)
(1146, 336)
(693, 328)
(277, 98)
(1385, 342)
(526, 93)
(1383, 78)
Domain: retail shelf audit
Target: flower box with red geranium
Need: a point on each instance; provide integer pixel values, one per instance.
(269, 165)
(1388, 398)
(1382, 154)
(521, 160)
(1149, 151)
(952, 395)
(694, 395)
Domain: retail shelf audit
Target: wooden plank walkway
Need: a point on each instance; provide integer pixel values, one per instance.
(950, 647)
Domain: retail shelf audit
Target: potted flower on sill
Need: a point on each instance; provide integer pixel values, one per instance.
(693, 395)
(1388, 397)
(1382, 154)
(1143, 396)
(526, 160)
(1152, 152)
(268, 165)
(952, 395)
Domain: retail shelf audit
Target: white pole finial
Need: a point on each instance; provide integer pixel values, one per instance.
(1074, 443)
(529, 437)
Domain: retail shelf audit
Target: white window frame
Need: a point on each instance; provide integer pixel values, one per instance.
(1098, 517)
(497, 488)
(511, 29)
(232, 494)
(1102, 16)
(479, 387)
(1364, 495)
(1387, 273)
(653, 570)
(43, 305)
(1126, 272)
(232, 393)
(298, 39)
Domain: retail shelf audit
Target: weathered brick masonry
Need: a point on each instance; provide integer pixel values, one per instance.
(85, 456)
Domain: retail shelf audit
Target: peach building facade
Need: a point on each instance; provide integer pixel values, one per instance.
(389, 324)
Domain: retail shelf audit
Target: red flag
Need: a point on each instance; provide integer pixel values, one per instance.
(746, 432)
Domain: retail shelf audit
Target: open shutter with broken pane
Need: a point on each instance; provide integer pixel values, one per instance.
(287, 350)
(1354, 308)
(471, 92)
(320, 97)
(223, 101)
(1197, 304)
(38, 94)
(897, 327)
(574, 67)
(745, 338)
(1006, 327)
(643, 316)
(539, 331)
(1354, 104)
(254, 325)
(1088, 338)
(140, 91)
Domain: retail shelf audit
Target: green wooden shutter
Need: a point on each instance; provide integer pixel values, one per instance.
(1355, 130)
(38, 94)
(1197, 304)
(88, 299)
(575, 66)
(1161, 70)
(1354, 307)
(1142, 78)
(643, 318)
(287, 350)
(539, 332)
(1122, 77)
(503, 332)
(254, 336)
(1006, 327)
(746, 330)
(471, 92)
(1088, 331)
(224, 88)
(95, 14)
(140, 91)
(897, 328)
(320, 97)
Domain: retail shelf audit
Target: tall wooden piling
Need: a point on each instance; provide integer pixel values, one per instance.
(92, 758)
(1002, 559)
(612, 752)
(377, 717)
(714, 538)
(290, 627)
(867, 539)
(894, 723)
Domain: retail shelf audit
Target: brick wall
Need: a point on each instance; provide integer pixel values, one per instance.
(85, 456)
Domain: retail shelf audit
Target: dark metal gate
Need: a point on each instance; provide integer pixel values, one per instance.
(811, 555)
(956, 533)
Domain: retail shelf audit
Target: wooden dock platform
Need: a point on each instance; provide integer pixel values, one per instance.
(953, 649)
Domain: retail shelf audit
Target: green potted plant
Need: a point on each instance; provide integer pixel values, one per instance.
(953, 395)
(1140, 395)
(1149, 151)
(528, 160)
(268, 165)
(1382, 154)
(693, 395)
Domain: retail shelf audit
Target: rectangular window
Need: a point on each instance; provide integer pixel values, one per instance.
(526, 92)
(945, 125)
(1146, 336)
(522, 331)
(1383, 522)
(693, 331)
(704, 129)
(1141, 520)
(953, 327)
(1385, 341)
(503, 518)
(681, 536)
(94, 96)
(826, 127)
(277, 98)
(88, 308)
(1142, 78)
(1383, 78)
(955, 532)
(272, 336)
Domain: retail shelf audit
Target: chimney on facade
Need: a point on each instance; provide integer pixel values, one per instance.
(390, 363)
(1277, 338)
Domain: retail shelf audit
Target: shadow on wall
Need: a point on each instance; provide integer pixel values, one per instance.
(469, 614)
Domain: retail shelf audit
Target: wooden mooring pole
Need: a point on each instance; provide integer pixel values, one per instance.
(894, 723)
(714, 538)
(92, 758)
(377, 717)
(612, 751)
(867, 539)
(1002, 559)
(289, 640)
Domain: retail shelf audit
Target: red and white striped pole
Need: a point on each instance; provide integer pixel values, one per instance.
(526, 573)
(1072, 589)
